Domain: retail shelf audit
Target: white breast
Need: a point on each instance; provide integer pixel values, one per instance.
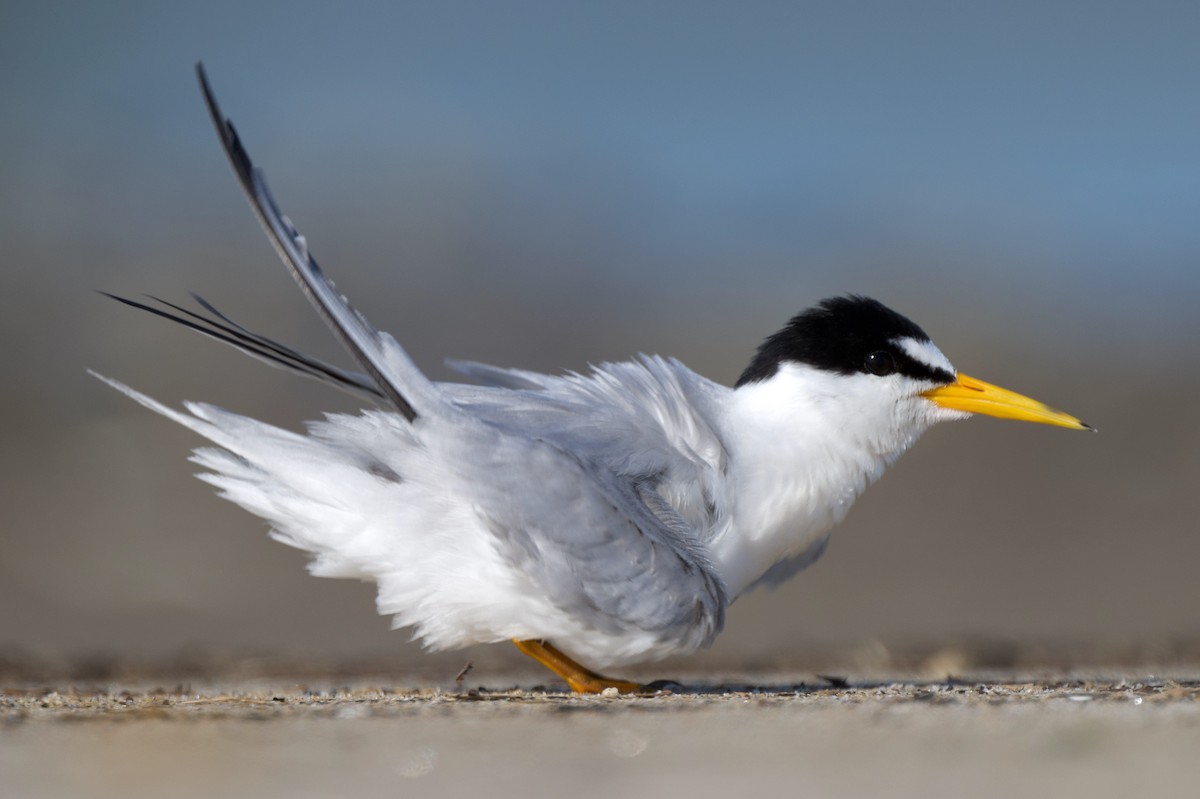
(802, 447)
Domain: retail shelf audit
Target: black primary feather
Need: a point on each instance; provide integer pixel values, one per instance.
(257, 346)
(358, 336)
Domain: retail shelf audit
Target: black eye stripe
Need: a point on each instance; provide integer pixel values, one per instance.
(839, 335)
(919, 370)
(882, 363)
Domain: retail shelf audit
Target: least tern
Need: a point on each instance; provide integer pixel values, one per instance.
(601, 518)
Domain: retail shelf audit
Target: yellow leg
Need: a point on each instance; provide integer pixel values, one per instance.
(581, 679)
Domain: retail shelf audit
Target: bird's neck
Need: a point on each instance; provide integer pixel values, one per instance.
(801, 450)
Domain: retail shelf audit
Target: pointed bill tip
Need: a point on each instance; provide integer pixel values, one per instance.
(972, 395)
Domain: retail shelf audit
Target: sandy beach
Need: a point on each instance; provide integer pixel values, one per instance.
(990, 734)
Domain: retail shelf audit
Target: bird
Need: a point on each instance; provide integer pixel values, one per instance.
(594, 519)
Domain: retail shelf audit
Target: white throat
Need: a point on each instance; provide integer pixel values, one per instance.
(802, 446)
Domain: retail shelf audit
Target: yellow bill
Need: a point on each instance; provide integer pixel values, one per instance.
(975, 396)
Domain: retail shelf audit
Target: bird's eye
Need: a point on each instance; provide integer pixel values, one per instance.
(880, 363)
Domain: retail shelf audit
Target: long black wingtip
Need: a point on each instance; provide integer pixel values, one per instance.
(242, 164)
(225, 330)
(292, 248)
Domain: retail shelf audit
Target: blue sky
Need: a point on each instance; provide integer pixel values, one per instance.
(1059, 138)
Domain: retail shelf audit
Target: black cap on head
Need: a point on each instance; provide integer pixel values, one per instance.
(845, 335)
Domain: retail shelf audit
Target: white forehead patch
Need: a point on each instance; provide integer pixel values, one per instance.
(926, 352)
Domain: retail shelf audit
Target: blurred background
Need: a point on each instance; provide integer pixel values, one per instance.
(545, 185)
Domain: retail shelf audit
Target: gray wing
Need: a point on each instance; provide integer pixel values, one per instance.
(636, 433)
(642, 419)
(393, 372)
(588, 539)
(499, 376)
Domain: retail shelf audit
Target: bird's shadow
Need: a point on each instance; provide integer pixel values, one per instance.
(659, 688)
(823, 683)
